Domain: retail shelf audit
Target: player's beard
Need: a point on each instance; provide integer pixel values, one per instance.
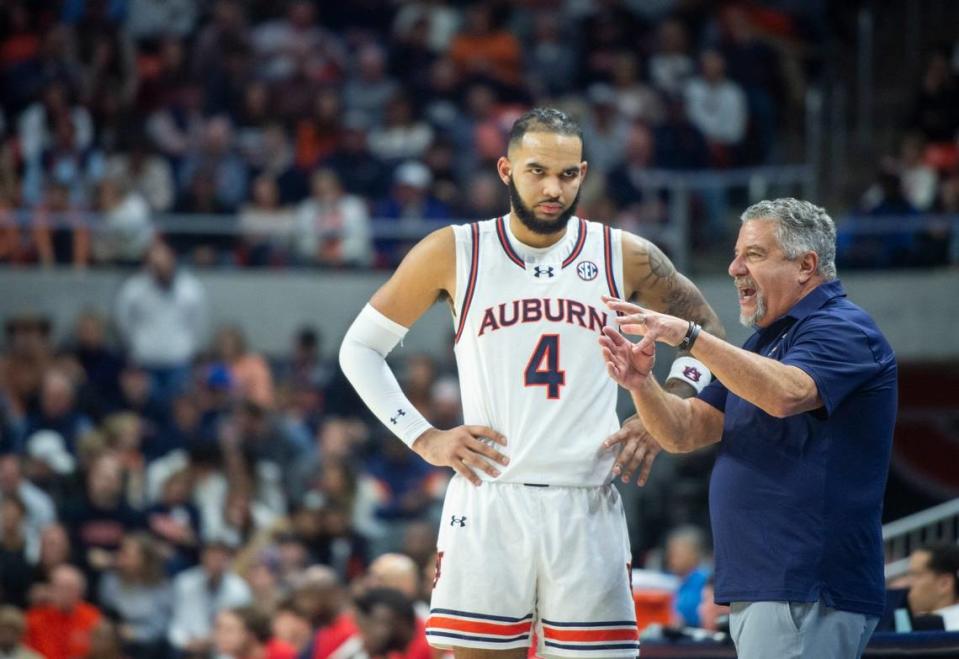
(528, 217)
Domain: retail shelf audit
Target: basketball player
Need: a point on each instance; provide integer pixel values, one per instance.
(543, 542)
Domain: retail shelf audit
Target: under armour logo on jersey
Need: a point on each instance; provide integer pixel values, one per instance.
(587, 270)
(692, 373)
(458, 521)
(543, 271)
(395, 419)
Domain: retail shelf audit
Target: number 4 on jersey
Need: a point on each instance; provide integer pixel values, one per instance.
(547, 350)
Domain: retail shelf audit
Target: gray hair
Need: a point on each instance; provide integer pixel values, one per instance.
(800, 227)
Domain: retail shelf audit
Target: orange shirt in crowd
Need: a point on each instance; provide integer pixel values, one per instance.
(58, 634)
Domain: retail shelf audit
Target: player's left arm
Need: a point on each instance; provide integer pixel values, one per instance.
(650, 276)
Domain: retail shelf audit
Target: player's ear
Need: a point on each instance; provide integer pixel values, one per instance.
(583, 168)
(504, 169)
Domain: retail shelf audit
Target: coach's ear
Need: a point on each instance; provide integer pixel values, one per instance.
(504, 169)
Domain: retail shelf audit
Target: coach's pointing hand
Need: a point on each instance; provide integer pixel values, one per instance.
(463, 449)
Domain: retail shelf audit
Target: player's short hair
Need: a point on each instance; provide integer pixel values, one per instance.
(544, 120)
(944, 559)
(800, 227)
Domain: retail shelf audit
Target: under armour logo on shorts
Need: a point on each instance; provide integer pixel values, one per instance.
(543, 271)
(458, 521)
(395, 419)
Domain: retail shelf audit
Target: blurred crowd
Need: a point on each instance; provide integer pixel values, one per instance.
(154, 485)
(920, 179)
(166, 491)
(288, 131)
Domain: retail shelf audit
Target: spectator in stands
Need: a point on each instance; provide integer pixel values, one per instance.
(320, 596)
(361, 173)
(388, 626)
(162, 317)
(100, 518)
(12, 628)
(635, 100)
(137, 593)
(605, 130)
(226, 29)
(402, 135)
(100, 362)
(245, 633)
(936, 112)
(58, 409)
(125, 230)
(55, 550)
(177, 124)
(266, 225)
(551, 66)
(62, 629)
(143, 171)
(15, 554)
(250, 372)
(275, 158)
(332, 226)
(717, 106)
(671, 65)
(49, 466)
(934, 583)
(175, 521)
(40, 511)
(61, 234)
(484, 49)
(67, 161)
(756, 67)
(685, 556)
(216, 153)
(627, 184)
(296, 41)
(200, 593)
(292, 627)
(319, 123)
(37, 125)
(367, 92)
(411, 200)
(398, 572)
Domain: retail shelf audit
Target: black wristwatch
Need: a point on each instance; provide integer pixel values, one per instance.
(692, 333)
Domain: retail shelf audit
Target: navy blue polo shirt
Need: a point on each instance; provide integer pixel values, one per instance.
(796, 503)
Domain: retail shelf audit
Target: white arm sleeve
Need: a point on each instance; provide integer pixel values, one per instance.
(363, 353)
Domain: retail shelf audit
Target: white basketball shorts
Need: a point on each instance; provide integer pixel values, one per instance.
(512, 558)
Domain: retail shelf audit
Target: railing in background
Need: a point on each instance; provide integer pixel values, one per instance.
(902, 537)
(679, 190)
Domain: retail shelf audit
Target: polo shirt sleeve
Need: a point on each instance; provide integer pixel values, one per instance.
(714, 394)
(836, 354)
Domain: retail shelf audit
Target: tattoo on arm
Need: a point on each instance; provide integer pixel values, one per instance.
(685, 301)
(659, 269)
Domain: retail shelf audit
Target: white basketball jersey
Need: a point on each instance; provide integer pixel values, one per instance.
(527, 324)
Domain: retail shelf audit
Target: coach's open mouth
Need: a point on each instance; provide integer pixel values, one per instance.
(746, 294)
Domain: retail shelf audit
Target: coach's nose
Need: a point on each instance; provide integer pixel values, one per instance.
(737, 267)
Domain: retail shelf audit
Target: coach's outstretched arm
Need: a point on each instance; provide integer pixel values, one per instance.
(678, 424)
(427, 274)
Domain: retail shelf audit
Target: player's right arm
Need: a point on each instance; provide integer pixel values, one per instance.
(426, 274)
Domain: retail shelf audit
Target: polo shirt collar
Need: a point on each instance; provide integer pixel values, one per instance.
(814, 300)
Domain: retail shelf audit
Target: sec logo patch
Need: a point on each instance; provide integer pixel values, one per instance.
(587, 270)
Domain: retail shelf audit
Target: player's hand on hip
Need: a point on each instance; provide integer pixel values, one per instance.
(628, 364)
(463, 449)
(651, 325)
(638, 452)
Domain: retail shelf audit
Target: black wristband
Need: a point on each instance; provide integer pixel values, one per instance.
(691, 335)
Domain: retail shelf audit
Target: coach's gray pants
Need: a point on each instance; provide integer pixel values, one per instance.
(798, 630)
